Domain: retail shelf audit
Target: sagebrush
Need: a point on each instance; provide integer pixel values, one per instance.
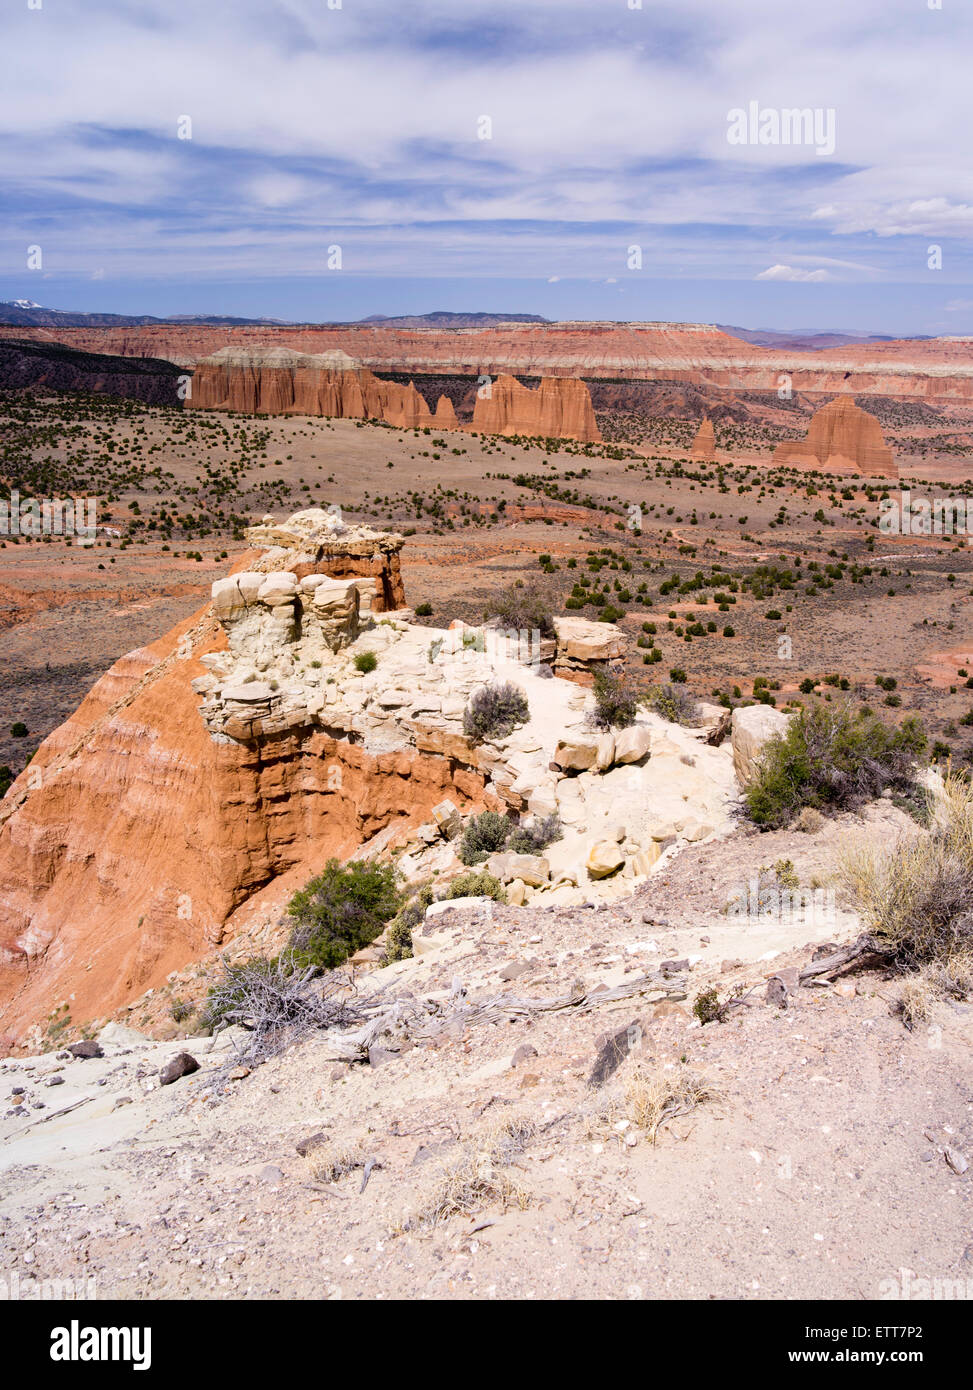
(833, 758)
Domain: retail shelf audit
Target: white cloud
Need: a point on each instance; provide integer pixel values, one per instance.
(790, 272)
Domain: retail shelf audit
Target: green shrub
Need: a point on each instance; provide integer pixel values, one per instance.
(534, 839)
(484, 835)
(19, 730)
(495, 711)
(423, 610)
(398, 938)
(481, 885)
(340, 911)
(834, 760)
(365, 662)
(616, 701)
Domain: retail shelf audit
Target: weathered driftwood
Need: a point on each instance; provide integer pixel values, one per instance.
(856, 950)
(417, 1019)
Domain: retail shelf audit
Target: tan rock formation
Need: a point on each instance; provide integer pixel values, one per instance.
(704, 444)
(226, 762)
(841, 438)
(585, 646)
(560, 407)
(752, 727)
(318, 542)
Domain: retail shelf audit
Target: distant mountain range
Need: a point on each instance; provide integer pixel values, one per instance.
(25, 313)
(800, 339)
(441, 318)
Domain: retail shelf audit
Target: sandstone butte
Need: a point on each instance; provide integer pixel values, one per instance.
(841, 438)
(704, 445)
(937, 369)
(208, 776)
(560, 407)
(279, 381)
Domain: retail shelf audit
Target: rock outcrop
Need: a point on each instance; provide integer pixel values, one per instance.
(316, 542)
(841, 438)
(704, 445)
(752, 727)
(280, 381)
(560, 408)
(285, 723)
(584, 647)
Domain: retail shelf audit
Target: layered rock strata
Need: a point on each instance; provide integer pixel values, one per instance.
(560, 407)
(279, 381)
(935, 370)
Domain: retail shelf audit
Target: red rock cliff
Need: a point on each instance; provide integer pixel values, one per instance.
(134, 835)
(279, 381)
(560, 407)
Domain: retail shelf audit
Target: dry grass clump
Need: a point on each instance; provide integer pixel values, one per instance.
(653, 1096)
(331, 1162)
(951, 978)
(477, 1179)
(809, 821)
(916, 899)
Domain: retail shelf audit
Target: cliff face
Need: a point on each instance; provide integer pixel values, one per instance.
(939, 369)
(136, 832)
(279, 381)
(560, 407)
(841, 439)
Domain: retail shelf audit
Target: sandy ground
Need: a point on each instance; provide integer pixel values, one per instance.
(816, 1171)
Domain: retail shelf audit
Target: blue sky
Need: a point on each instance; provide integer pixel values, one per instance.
(359, 125)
